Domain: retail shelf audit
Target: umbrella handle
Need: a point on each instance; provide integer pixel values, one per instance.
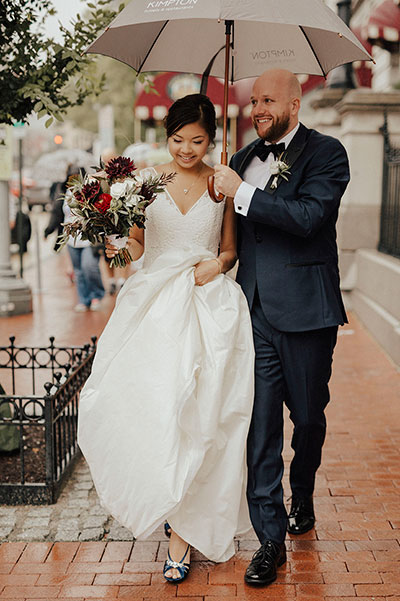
(216, 197)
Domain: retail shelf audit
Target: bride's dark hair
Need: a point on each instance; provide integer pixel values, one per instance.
(194, 108)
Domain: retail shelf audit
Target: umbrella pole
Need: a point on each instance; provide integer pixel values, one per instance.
(224, 153)
(216, 197)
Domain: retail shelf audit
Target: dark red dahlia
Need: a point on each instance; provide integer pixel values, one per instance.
(102, 204)
(91, 190)
(120, 167)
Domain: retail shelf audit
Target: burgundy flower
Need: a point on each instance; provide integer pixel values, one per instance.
(79, 197)
(91, 190)
(119, 167)
(102, 204)
(146, 191)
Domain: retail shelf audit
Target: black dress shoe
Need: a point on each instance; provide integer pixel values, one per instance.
(262, 568)
(301, 517)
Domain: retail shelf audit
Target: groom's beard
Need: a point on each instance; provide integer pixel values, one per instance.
(278, 128)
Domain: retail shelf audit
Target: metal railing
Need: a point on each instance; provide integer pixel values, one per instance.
(39, 429)
(389, 240)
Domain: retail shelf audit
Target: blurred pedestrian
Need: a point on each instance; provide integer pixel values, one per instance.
(19, 222)
(57, 192)
(21, 231)
(85, 261)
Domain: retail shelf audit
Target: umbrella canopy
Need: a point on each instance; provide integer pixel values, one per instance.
(182, 35)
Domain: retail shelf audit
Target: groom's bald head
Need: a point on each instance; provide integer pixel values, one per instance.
(276, 102)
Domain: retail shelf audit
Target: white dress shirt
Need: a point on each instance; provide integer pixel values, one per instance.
(257, 175)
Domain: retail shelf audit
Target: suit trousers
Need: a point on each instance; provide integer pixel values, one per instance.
(292, 368)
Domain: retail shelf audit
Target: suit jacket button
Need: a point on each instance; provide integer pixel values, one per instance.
(258, 238)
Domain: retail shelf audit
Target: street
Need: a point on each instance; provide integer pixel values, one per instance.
(353, 553)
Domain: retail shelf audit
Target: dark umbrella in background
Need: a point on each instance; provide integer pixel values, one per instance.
(182, 35)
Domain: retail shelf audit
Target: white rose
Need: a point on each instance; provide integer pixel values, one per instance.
(130, 183)
(277, 167)
(118, 189)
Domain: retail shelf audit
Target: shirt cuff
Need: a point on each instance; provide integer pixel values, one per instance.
(243, 197)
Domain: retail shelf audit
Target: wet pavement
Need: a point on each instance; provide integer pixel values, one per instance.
(74, 550)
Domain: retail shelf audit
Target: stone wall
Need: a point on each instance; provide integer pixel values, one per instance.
(371, 279)
(376, 298)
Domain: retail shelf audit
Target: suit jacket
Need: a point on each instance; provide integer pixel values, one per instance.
(287, 242)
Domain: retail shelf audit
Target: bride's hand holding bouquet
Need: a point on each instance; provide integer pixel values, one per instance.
(107, 203)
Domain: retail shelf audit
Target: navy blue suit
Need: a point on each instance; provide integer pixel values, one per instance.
(288, 269)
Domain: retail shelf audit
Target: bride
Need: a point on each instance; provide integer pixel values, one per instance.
(165, 412)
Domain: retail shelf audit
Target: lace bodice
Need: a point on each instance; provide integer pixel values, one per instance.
(167, 227)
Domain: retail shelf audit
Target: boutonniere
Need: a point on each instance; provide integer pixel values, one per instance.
(279, 168)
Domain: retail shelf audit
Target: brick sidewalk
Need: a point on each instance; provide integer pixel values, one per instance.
(354, 552)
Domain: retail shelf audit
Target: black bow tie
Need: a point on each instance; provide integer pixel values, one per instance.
(262, 150)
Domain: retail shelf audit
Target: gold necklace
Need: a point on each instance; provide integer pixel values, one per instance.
(187, 190)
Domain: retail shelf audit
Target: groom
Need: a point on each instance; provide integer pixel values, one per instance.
(287, 188)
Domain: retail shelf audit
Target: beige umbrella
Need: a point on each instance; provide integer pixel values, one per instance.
(182, 35)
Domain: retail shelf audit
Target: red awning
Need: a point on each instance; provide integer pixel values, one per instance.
(363, 69)
(171, 86)
(383, 28)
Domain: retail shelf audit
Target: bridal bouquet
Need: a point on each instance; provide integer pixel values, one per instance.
(107, 203)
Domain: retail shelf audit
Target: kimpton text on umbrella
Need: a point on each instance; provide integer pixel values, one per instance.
(169, 3)
(268, 54)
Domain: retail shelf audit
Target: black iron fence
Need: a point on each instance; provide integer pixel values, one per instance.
(389, 241)
(39, 395)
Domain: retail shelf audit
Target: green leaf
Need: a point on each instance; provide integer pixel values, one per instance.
(36, 69)
(48, 122)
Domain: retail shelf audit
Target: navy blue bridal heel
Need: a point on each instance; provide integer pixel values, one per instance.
(167, 530)
(183, 568)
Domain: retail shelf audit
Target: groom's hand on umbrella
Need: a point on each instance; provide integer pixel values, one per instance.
(226, 180)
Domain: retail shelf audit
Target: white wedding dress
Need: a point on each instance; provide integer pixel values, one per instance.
(164, 415)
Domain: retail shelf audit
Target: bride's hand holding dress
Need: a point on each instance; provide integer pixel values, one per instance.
(205, 272)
